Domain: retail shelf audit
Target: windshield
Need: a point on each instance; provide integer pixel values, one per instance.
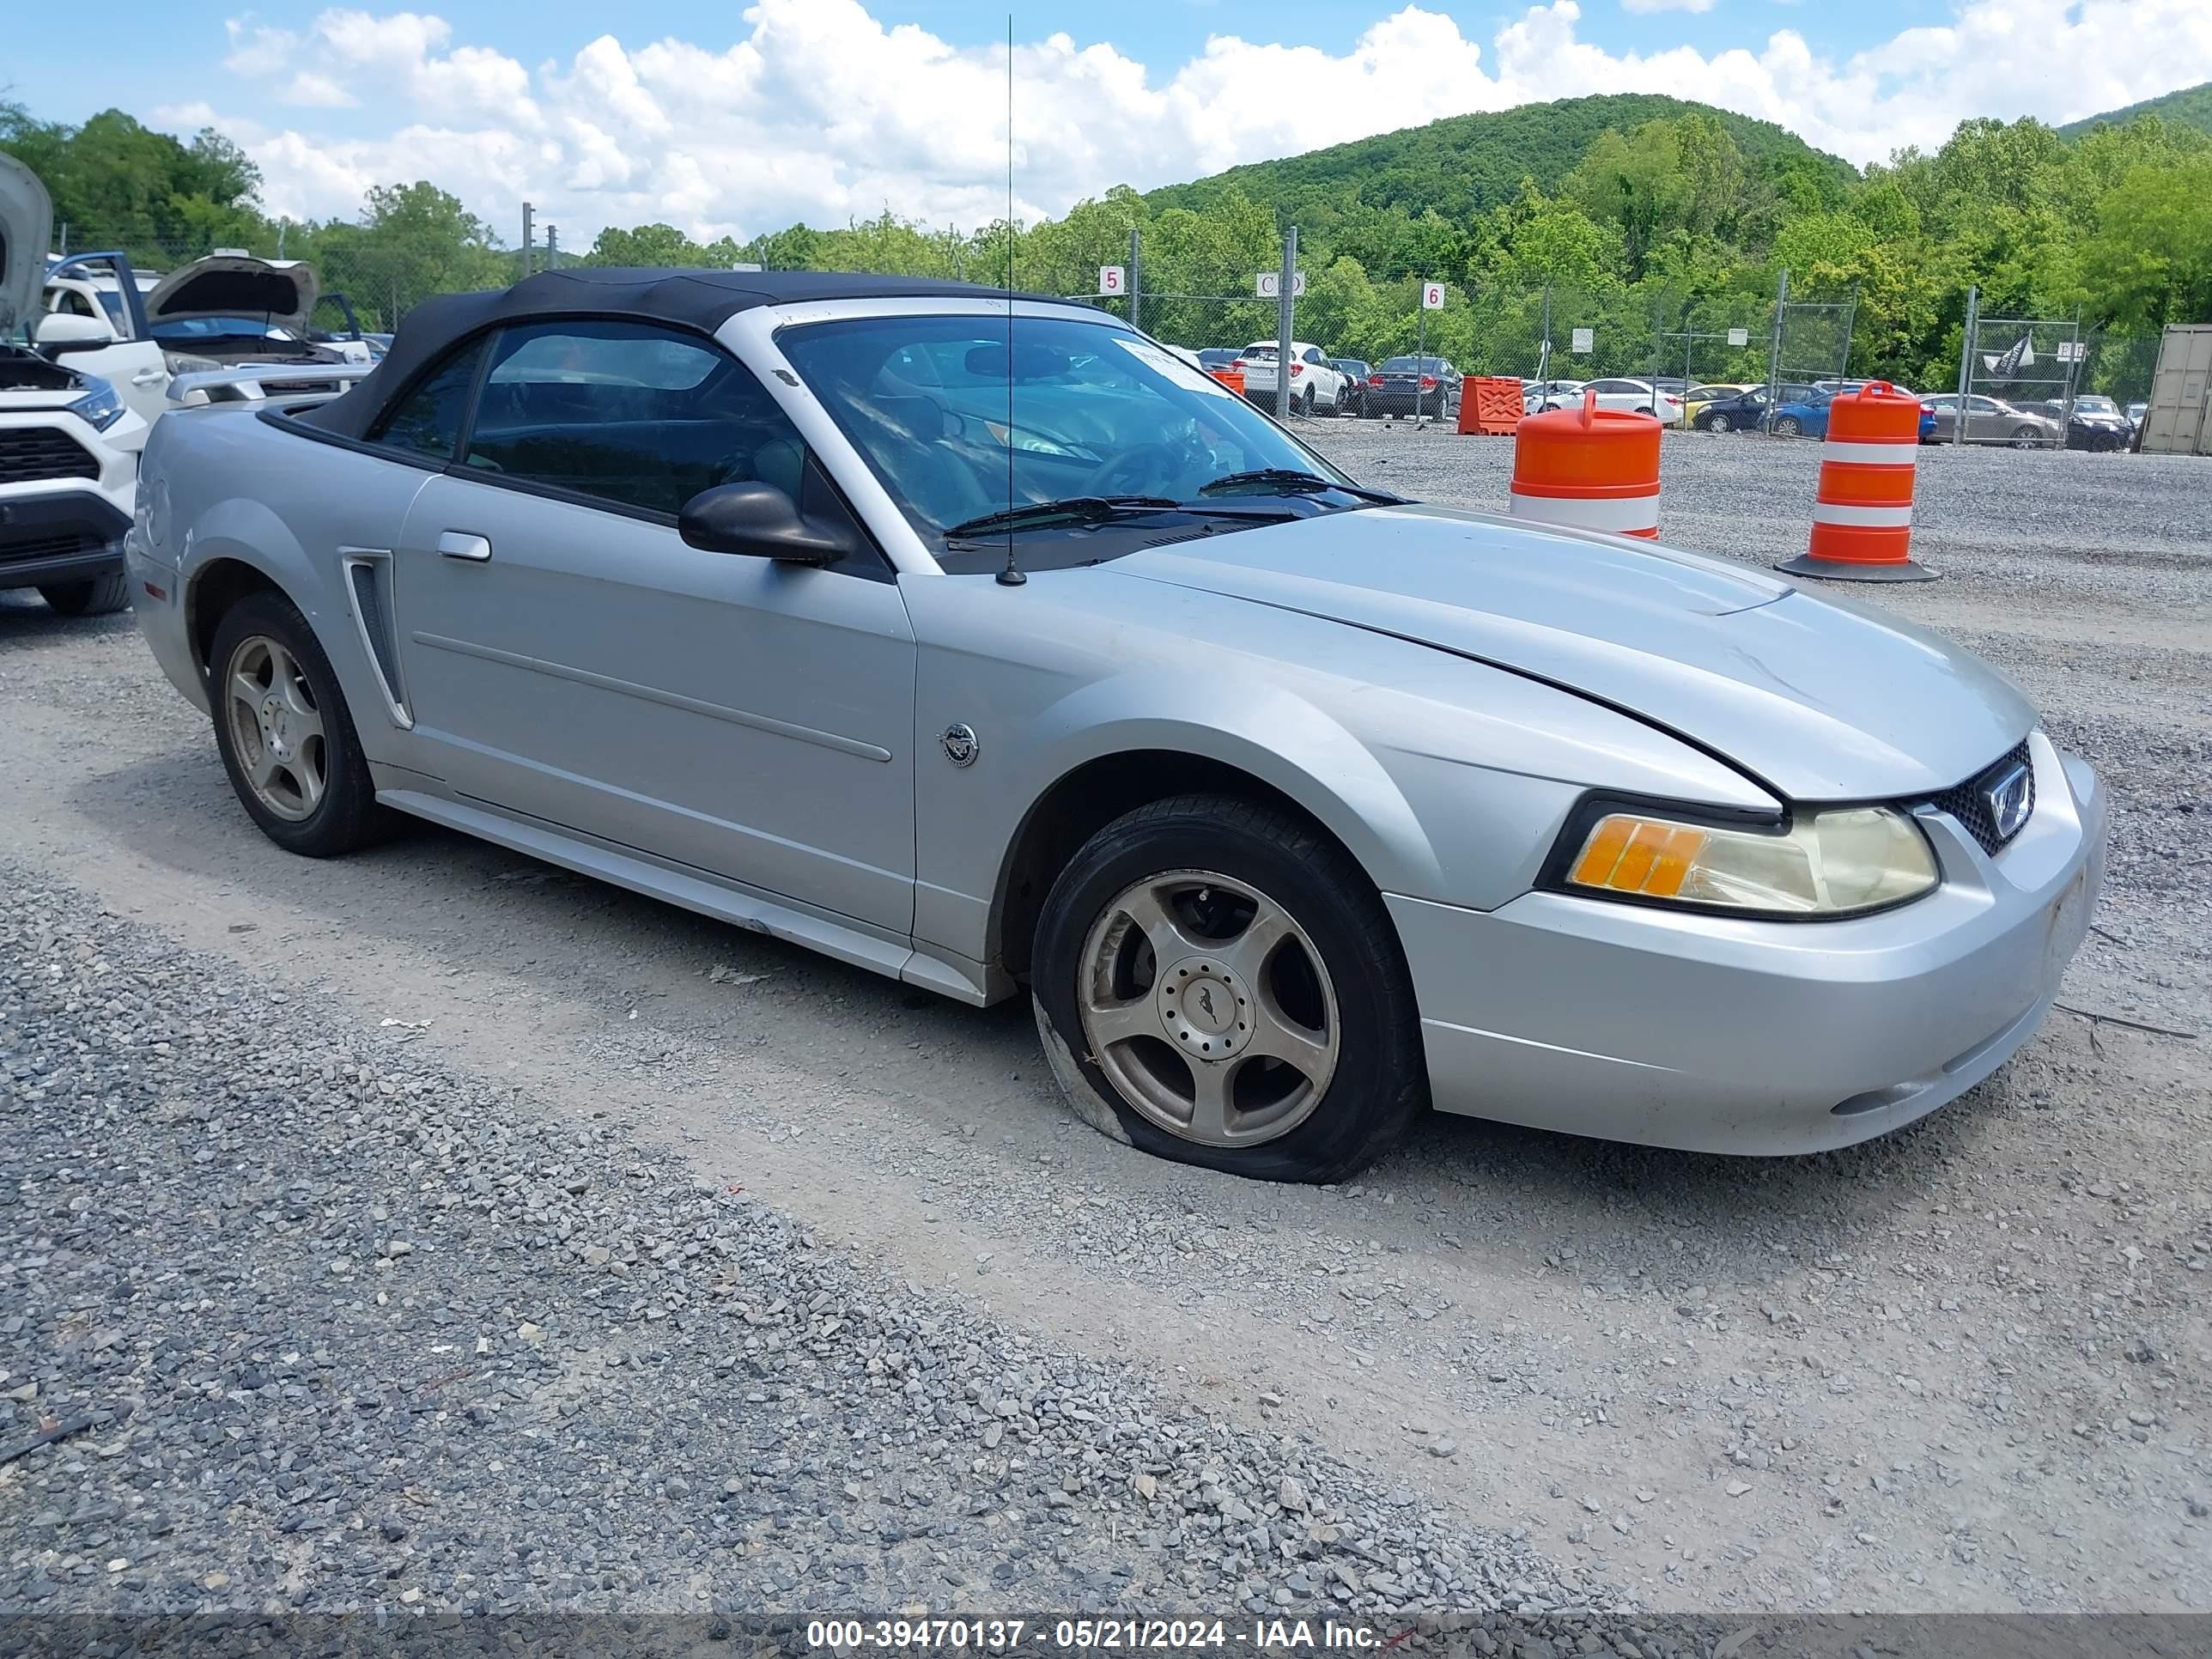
(1096, 412)
(213, 328)
(2097, 405)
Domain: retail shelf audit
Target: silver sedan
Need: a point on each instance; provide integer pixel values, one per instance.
(991, 646)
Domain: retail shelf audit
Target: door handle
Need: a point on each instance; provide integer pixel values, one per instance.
(458, 545)
(149, 376)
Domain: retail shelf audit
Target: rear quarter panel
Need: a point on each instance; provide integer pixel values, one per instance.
(240, 488)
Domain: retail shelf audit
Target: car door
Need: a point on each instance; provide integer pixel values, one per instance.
(136, 368)
(1988, 420)
(573, 660)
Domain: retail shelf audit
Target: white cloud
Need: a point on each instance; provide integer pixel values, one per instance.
(817, 110)
(1666, 5)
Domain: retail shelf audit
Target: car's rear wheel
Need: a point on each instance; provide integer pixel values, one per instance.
(1787, 425)
(1217, 983)
(94, 599)
(1306, 402)
(286, 737)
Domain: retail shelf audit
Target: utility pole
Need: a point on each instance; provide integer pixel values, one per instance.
(1966, 361)
(282, 225)
(1136, 286)
(527, 213)
(1544, 350)
(552, 247)
(1283, 323)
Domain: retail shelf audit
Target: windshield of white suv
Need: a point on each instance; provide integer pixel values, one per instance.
(1104, 423)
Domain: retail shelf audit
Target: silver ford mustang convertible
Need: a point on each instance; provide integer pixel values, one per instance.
(986, 644)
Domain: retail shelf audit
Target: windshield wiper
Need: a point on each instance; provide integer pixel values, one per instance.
(1289, 481)
(1072, 509)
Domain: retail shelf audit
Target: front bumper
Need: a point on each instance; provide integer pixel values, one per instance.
(1708, 1034)
(61, 534)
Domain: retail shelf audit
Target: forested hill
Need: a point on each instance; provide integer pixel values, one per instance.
(1464, 165)
(2190, 106)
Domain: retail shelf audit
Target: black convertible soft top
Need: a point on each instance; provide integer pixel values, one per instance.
(697, 299)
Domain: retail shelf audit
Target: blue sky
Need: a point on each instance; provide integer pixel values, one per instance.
(739, 118)
(51, 71)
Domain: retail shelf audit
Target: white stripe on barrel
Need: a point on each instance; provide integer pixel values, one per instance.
(1620, 515)
(1862, 454)
(1865, 518)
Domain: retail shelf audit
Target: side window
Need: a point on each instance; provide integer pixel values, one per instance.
(427, 421)
(1313, 354)
(632, 414)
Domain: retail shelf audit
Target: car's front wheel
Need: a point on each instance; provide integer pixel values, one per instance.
(1717, 421)
(285, 736)
(1217, 983)
(94, 599)
(2026, 437)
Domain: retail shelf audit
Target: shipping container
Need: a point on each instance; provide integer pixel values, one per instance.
(2180, 419)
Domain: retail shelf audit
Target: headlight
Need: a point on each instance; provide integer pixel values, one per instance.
(1833, 863)
(100, 408)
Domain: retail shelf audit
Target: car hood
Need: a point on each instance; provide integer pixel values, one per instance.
(283, 291)
(1818, 700)
(27, 224)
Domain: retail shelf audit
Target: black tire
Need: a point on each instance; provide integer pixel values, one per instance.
(1788, 426)
(1717, 421)
(1380, 1081)
(348, 815)
(1306, 404)
(2026, 437)
(94, 599)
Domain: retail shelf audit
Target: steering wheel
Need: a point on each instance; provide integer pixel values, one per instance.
(1151, 465)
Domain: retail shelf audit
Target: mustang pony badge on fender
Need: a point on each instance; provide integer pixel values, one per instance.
(960, 744)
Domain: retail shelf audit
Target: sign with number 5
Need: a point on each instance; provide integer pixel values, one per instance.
(1113, 279)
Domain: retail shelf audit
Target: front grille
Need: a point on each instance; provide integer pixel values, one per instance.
(1967, 802)
(30, 453)
(47, 547)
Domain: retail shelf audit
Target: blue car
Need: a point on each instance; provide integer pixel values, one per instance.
(1806, 415)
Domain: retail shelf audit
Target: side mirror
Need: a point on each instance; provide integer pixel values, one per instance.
(61, 331)
(760, 521)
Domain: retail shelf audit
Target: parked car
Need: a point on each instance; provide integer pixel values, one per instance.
(1537, 395)
(2136, 413)
(1315, 388)
(69, 443)
(1420, 387)
(1803, 410)
(1638, 397)
(1293, 806)
(1355, 373)
(226, 310)
(2095, 422)
(1988, 421)
(1215, 357)
(1741, 411)
(1698, 397)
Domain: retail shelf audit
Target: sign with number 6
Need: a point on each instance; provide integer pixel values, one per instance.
(1432, 296)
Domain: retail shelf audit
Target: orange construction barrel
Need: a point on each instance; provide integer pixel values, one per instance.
(1591, 468)
(1863, 520)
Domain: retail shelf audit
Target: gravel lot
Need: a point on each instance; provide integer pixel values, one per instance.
(1964, 1367)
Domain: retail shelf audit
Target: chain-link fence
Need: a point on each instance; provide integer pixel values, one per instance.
(1788, 345)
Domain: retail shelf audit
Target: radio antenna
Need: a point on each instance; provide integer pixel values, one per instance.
(1012, 576)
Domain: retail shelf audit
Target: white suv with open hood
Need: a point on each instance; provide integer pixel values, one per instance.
(229, 310)
(69, 443)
